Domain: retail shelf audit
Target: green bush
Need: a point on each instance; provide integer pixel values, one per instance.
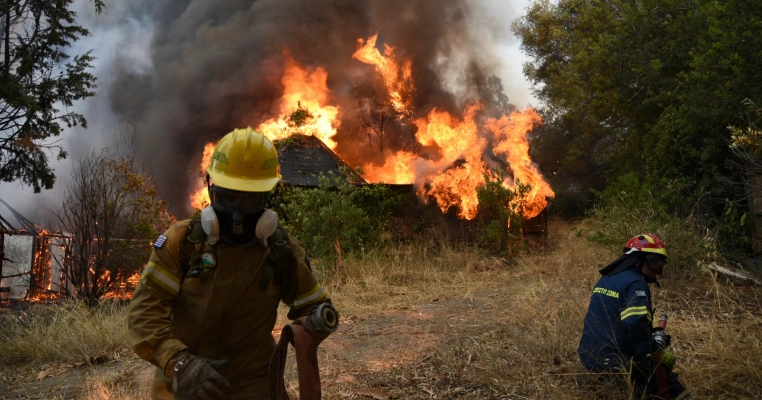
(354, 214)
(501, 213)
(628, 207)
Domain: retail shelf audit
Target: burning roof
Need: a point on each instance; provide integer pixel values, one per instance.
(446, 157)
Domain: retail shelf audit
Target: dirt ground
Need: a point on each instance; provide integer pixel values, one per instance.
(366, 345)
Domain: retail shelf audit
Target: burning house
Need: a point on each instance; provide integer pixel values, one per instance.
(302, 162)
(406, 90)
(39, 264)
(440, 156)
(33, 260)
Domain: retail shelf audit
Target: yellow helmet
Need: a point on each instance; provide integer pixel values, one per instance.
(245, 160)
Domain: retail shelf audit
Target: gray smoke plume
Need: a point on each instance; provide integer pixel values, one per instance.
(216, 65)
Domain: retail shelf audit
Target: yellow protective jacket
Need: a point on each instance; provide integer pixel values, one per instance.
(222, 314)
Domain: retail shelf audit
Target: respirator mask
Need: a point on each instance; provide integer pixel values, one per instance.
(239, 216)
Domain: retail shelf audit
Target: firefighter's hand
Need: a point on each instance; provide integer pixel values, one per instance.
(666, 358)
(197, 378)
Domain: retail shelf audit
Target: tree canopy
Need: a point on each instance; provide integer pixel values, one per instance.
(641, 86)
(38, 86)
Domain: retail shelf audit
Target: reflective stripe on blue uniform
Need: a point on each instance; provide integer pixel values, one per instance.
(618, 322)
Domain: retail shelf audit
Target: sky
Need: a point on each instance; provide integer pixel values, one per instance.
(121, 40)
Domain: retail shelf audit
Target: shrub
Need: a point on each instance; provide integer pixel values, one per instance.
(628, 208)
(339, 210)
(501, 213)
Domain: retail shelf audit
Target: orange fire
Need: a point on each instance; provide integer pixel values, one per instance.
(458, 140)
(305, 91)
(454, 165)
(200, 197)
(510, 134)
(134, 279)
(398, 168)
(449, 186)
(453, 178)
(398, 79)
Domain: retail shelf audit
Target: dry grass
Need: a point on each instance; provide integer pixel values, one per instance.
(529, 349)
(69, 332)
(404, 275)
(522, 344)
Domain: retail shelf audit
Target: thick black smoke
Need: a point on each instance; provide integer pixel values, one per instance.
(217, 66)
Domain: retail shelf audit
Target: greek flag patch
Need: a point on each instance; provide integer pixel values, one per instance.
(159, 243)
(640, 293)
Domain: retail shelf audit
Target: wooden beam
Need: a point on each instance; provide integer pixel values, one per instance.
(741, 275)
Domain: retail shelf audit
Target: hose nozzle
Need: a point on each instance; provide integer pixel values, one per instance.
(325, 318)
(660, 334)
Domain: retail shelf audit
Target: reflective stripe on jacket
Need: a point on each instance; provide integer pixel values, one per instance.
(618, 321)
(221, 314)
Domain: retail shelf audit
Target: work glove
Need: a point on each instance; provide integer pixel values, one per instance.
(196, 378)
(666, 358)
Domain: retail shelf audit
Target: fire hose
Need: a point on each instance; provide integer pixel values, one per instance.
(660, 371)
(325, 319)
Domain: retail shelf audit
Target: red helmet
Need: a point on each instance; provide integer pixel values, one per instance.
(647, 242)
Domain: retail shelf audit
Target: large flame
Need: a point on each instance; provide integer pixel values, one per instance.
(397, 78)
(453, 176)
(511, 137)
(454, 165)
(304, 92)
(398, 168)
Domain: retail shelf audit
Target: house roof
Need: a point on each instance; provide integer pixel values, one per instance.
(304, 158)
(11, 221)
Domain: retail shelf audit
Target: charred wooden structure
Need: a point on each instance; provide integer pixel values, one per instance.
(32, 260)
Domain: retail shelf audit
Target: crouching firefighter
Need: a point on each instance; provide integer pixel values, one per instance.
(204, 310)
(618, 332)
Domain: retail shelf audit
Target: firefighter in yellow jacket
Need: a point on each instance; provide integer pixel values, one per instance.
(205, 307)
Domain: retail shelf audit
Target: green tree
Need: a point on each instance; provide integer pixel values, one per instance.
(38, 86)
(647, 86)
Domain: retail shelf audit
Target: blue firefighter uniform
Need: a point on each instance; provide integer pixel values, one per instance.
(618, 322)
(617, 334)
